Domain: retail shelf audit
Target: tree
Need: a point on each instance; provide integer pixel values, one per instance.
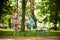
(3, 6)
(5, 9)
(54, 12)
(50, 9)
(32, 11)
(23, 15)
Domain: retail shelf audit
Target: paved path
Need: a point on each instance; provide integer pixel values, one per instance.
(31, 38)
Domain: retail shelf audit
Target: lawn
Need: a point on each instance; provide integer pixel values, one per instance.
(9, 32)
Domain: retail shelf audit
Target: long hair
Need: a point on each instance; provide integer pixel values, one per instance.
(15, 10)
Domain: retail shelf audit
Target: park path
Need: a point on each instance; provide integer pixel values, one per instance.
(31, 38)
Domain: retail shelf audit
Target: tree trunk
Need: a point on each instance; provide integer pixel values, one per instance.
(55, 25)
(9, 20)
(23, 15)
(32, 11)
(55, 19)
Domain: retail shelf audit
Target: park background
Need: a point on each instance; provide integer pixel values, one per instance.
(45, 11)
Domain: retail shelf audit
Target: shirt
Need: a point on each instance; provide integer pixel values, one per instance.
(31, 20)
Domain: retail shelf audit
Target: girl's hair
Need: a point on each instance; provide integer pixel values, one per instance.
(15, 10)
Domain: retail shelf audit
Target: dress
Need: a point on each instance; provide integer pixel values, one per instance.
(15, 20)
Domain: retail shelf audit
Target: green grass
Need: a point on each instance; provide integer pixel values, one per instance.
(9, 32)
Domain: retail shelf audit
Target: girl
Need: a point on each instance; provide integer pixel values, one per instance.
(15, 21)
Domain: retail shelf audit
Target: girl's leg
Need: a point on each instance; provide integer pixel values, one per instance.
(15, 30)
